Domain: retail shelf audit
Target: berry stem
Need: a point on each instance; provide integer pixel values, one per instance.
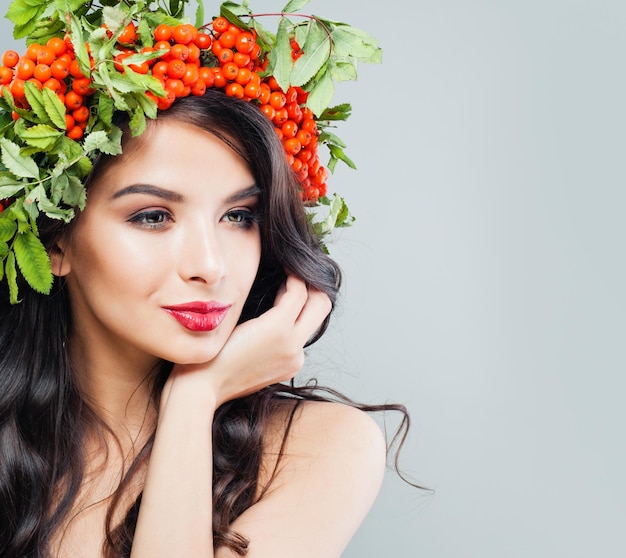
(305, 16)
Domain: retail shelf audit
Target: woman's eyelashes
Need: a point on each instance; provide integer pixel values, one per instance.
(242, 217)
(153, 219)
(157, 219)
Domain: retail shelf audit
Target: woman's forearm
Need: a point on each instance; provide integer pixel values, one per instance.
(175, 519)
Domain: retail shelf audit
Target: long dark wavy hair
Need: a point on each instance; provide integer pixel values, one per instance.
(44, 417)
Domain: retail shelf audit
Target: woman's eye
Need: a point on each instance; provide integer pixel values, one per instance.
(242, 217)
(154, 219)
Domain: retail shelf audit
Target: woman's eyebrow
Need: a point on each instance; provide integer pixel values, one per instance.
(249, 192)
(171, 196)
(151, 190)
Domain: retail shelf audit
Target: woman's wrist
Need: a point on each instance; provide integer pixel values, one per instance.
(188, 392)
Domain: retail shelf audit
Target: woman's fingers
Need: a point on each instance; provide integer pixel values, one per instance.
(313, 313)
(304, 308)
(290, 299)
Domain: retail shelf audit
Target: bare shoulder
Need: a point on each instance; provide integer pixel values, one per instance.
(327, 478)
(342, 434)
(343, 431)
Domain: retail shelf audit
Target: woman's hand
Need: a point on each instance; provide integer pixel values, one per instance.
(261, 351)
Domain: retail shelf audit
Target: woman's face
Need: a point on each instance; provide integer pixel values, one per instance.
(161, 261)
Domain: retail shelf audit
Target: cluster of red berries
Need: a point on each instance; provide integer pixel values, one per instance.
(190, 61)
(54, 66)
(230, 58)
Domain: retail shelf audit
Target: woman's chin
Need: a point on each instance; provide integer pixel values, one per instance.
(192, 357)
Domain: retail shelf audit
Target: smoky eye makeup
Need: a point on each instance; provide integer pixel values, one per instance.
(151, 219)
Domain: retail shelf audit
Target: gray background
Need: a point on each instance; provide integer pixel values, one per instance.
(484, 276)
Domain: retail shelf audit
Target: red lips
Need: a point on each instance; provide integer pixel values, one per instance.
(198, 315)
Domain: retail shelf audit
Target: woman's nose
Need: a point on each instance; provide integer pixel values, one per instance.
(201, 255)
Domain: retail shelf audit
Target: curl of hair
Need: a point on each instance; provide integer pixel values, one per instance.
(43, 416)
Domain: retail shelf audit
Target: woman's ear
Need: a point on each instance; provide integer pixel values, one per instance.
(60, 264)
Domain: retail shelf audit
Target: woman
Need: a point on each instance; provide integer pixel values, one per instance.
(184, 292)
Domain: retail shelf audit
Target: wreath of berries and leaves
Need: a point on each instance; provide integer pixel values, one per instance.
(86, 60)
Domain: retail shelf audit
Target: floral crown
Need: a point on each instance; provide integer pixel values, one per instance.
(86, 60)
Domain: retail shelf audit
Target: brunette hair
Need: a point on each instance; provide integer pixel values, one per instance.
(44, 416)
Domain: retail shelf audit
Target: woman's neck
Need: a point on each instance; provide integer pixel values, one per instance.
(117, 386)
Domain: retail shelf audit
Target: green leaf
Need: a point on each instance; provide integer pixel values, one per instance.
(280, 56)
(114, 145)
(70, 149)
(139, 58)
(35, 100)
(367, 38)
(7, 179)
(344, 219)
(16, 212)
(337, 216)
(143, 82)
(55, 108)
(294, 6)
(29, 151)
(155, 18)
(234, 8)
(5, 110)
(265, 38)
(375, 56)
(75, 193)
(329, 138)
(22, 14)
(78, 41)
(104, 77)
(53, 211)
(300, 34)
(232, 11)
(22, 167)
(8, 99)
(45, 28)
(63, 6)
(137, 122)
(27, 115)
(145, 33)
(101, 141)
(58, 184)
(349, 41)
(338, 112)
(8, 228)
(10, 190)
(338, 153)
(94, 141)
(114, 18)
(100, 45)
(105, 110)
(33, 261)
(316, 50)
(332, 164)
(345, 43)
(176, 8)
(321, 95)
(41, 136)
(31, 208)
(120, 83)
(200, 14)
(343, 71)
(4, 252)
(83, 166)
(11, 275)
(148, 105)
(19, 128)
